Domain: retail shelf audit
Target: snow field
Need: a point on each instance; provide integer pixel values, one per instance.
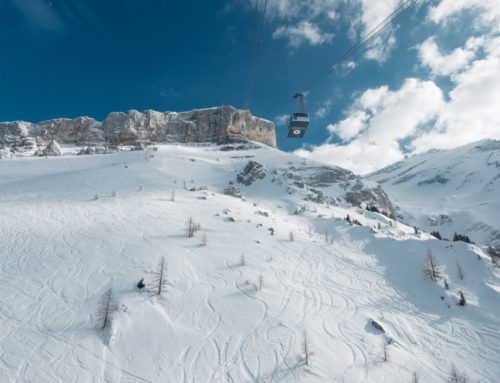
(60, 250)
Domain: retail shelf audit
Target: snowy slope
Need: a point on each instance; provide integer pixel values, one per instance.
(456, 190)
(60, 250)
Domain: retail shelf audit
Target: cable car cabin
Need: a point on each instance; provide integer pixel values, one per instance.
(298, 121)
(298, 125)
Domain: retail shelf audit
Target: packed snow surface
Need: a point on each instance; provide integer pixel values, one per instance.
(239, 308)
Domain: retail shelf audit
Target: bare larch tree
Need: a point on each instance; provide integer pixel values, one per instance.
(105, 309)
(306, 352)
(460, 271)
(432, 268)
(158, 284)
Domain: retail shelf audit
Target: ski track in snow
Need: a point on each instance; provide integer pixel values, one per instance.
(213, 324)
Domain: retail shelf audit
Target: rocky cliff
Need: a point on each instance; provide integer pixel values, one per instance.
(219, 125)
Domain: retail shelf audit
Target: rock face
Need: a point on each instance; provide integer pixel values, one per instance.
(322, 182)
(218, 125)
(319, 183)
(53, 149)
(253, 171)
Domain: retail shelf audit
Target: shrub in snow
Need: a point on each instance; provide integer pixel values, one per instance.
(204, 240)
(373, 209)
(494, 253)
(96, 197)
(172, 196)
(106, 308)
(261, 282)
(436, 234)
(432, 268)
(141, 284)
(291, 237)
(462, 301)
(461, 237)
(233, 191)
(158, 284)
(243, 260)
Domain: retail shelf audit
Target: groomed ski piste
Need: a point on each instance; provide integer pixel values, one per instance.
(238, 307)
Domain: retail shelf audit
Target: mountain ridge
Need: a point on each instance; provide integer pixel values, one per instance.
(218, 125)
(453, 190)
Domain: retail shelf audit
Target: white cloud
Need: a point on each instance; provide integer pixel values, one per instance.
(351, 126)
(305, 31)
(282, 119)
(332, 15)
(306, 21)
(488, 11)
(360, 158)
(350, 65)
(324, 109)
(377, 121)
(448, 64)
(293, 9)
(372, 14)
(471, 113)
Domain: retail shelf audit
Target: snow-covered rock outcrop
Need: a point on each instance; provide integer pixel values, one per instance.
(52, 149)
(219, 125)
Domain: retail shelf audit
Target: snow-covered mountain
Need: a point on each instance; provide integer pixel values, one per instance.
(219, 125)
(449, 191)
(263, 274)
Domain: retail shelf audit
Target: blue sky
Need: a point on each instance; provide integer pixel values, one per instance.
(431, 81)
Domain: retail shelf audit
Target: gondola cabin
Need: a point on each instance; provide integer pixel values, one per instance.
(298, 125)
(298, 121)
